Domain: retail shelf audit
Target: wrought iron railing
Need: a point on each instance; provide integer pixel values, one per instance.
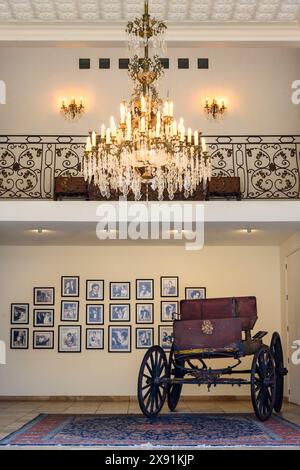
(268, 166)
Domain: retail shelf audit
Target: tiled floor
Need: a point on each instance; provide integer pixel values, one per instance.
(14, 414)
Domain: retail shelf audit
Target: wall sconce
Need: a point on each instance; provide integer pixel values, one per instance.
(216, 109)
(72, 111)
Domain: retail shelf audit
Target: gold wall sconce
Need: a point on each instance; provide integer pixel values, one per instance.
(72, 111)
(215, 109)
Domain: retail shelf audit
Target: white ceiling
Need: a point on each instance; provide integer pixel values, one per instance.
(170, 10)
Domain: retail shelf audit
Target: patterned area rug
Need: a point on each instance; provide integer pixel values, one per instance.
(189, 430)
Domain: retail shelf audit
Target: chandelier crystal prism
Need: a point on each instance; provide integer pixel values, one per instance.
(148, 147)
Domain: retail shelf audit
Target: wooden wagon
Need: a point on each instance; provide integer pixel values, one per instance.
(214, 329)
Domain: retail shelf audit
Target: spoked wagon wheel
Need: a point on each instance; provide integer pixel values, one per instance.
(276, 350)
(151, 390)
(263, 383)
(174, 390)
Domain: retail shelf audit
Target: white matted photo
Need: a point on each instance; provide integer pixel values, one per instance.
(43, 317)
(119, 339)
(94, 338)
(144, 313)
(194, 293)
(144, 289)
(169, 286)
(120, 290)
(70, 286)
(43, 339)
(119, 312)
(19, 338)
(95, 289)
(69, 310)
(144, 338)
(94, 314)
(69, 338)
(165, 337)
(43, 295)
(19, 314)
(169, 310)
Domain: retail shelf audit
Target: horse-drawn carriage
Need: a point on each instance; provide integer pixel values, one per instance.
(209, 329)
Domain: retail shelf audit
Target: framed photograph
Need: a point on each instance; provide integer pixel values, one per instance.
(120, 290)
(169, 286)
(144, 313)
(144, 289)
(43, 339)
(119, 339)
(43, 295)
(119, 312)
(165, 337)
(95, 289)
(70, 286)
(94, 338)
(19, 314)
(168, 310)
(43, 317)
(194, 293)
(19, 338)
(69, 310)
(144, 338)
(94, 314)
(69, 338)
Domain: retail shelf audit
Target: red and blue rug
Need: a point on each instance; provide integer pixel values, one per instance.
(188, 430)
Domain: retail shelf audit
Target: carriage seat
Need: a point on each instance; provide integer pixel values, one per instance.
(243, 308)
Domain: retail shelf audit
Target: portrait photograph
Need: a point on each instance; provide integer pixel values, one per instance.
(69, 310)
(43, 339)
(119, 339)
(43, 295)
(144, 338)
(144, 313)
(168, 310)
(19, 338)
(144, 289)
(94, 314)
(194, 293)
(43, 317)
(95, 290)
(70, 286)
(94, 338)
(119, 312)
(169, 286)
(165, 337)
(69, 338)
(19, 314)
(120, 290)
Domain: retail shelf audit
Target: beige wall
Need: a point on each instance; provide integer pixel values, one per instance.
(256, 82)
(225, 271)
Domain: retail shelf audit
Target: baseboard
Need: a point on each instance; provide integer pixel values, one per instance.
(121, 398)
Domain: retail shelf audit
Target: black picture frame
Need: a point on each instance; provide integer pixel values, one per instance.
(111, 306)
(119, 298)
(43, 325)
(86, 339)
(137, 296)
(87, 290)
(77, 310)
(162, 292)
(160, 343)
(88, 322)
(77, 281)
(162, 302)
(12, 346)
(136, 338)
(12, 308)
(195, 289)
(121, 327)
(137, 320)
(60, 327)
(43, 302)
(35, 332)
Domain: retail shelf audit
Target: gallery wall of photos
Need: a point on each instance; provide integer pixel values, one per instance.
(128, 318)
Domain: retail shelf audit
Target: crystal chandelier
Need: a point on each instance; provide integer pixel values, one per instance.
(147, 147)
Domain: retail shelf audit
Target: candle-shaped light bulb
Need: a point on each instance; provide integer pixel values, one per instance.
(73, 100)
(103, 132)
(182, 134)
(113, 126)
(166, 109)
(63, 102)
(88, 147)
(143, 124)
(81, 101)
(143, 104)
(189, 135)
(171, 109)
(108, 136)
(157, 131)
(122, 113)
(128, 126)
(203, 145)
(94, 135)
(174, 129)
(196, 139)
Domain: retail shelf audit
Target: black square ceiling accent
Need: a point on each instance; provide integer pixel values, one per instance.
(104, 63)
(123, 64)
(183, 63)
(85, 63)
(203, 63)
(165, 63)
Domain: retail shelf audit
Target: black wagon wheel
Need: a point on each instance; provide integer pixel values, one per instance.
(263, 383)
(174, 390)
(152, 390)
(276, 350)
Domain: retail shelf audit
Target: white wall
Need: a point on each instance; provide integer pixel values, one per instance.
(256, 82)
(225, 271)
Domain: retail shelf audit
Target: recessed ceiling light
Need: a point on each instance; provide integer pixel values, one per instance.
(40, 230)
